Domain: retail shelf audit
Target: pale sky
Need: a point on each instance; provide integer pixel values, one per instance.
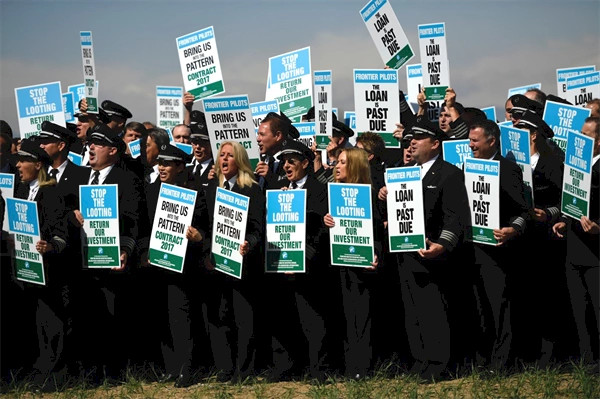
(492, 45)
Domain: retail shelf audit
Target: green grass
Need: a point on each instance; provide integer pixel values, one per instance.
(567, 381)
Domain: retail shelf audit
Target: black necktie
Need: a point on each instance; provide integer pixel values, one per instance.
(53, 173)
(96, 178)
(294, 185)
(226, 185)
(198, 172)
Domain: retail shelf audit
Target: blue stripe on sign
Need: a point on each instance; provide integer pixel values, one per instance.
(85, 38)
(219, 104)
(178, 194)
(433, 30)
(169, 91)
(196, 37)
(586, 80)
(232, 199)
(482, 166)
(375, 76)
(371, 9)
(563, 74)
(403, 175)
(323, 78)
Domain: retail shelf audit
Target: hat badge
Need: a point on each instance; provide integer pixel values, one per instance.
(163, 147)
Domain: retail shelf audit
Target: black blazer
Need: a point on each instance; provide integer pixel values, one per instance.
(514, 211)
(446, 205)
(132, 205)
(199, 183)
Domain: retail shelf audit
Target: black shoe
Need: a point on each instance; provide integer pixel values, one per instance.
(184, 381)
(165, 378)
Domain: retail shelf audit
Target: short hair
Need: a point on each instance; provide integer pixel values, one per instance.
(596, 120)
(6, 145)
(276, 125)
(373, 143)
(490, 129)
(358, 170)
(595, 101)
(159, 136)
(540, 96)
(240, 155)
(148, 125)
(136, 127)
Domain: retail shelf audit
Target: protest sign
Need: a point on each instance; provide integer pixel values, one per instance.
(187, 148)
(577, 177)
(350, 121)
(564, 73)
(134, 148)
(323, 106)
(414, 82)
(387, 33)
(68, 108)
(482, 179)
(260, 111)
(36, 104)
(230, 119)
(583, 88)
(376, 103)
(514, 146)
(169, 106)
(456, 151)
(89, 72)
(405, 212)
(75, 158)
(434, 60)
(290, 80)
(7, 188)
(286, 231)
(307, 132)
(174, 213)
(200, 67)
(352, 236)
(564, 118)
(23, 221)
(100, 236)
(523, 89)
(490, 113)
(79, 93)
(229, 231)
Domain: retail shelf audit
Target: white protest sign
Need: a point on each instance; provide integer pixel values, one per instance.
(564, 73)
(286, 231)
(482, 179)
(261, 109)
(406, 221)
(89, 72)
(583, 88)
(414, 82)
(229, 231)
(351, 239)
(387, 33)
(323, 106)
(174, 213)
(376, 103)
(200, 67)
(290, 80)
(307, 132)
(564, 118)
(7, 187)
(100, 235)
(230, 119)
(434, 60)
(169, 106)
(23, 221)
(514, 146)
(577, 177)
(523, 89)
(36, 104)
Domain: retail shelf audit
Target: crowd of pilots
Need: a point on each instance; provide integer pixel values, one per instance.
(438, 312)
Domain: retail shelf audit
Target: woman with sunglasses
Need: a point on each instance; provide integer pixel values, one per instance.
(356, 283)
(50, 311)
(230, 301)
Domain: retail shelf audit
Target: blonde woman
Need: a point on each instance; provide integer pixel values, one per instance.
(230, 301)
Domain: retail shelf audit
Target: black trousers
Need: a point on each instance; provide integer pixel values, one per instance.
(426, 316)
(494, 298)
(356, 289)
(230, 319)
(584, 291)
